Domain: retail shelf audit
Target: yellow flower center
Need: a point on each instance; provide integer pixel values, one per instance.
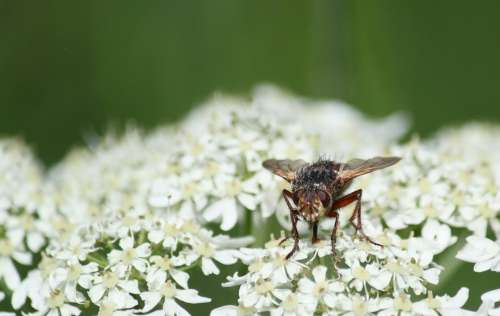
(280, 261)
(106, 309)
(432, 302)
(173, 169)
(27, 222)
(359, 307)
(430, 212)
(170, 230)
(290, 303)
(47, 265)
(129, 220)
(197, 149)
(56, 299)
(402, 303)
(394, 193)
(163, 263)
(168, 289)
(361, 273)
(256, 266)
(205, 249)
(263, 287)
(424, 185)
(486, 211)
(74, 271)
(212, 168)
(189, 190)
(457, 198)
(190, 226)
(320, 288)
(245, 146)
(110, 279)
(415, 269)
(233, 187)
(6, 248)
(128, 255)
(394, 267)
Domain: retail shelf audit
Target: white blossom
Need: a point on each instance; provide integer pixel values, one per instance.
(485, 253)
(164, 292)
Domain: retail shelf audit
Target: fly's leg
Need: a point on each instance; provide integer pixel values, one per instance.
(356, 214)
(315, 238)
(293, 217)
(334, 236)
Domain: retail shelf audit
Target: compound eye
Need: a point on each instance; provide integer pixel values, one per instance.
(325, 198)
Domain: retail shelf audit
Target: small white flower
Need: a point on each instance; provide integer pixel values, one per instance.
(55, 304)
(443, 305)
(208, 252)
(260, 294)
(232, 310)
(163, 290)
(435, 238)
(358, 306)
(321, 289)
(293, 304)
(401, 305)
(363, 275)
(109, 308)
(73, 274)
(234, 195)
(12, 249)
(113, 286)
(167, 265)
(482, 251)
(130, 256)
(489, 301)
(166, 232)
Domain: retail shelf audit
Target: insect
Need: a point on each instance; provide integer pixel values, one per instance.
(316, 189)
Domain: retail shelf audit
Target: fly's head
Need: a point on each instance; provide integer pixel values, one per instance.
(312, 203)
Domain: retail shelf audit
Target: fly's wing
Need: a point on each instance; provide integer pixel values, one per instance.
(284, 168)
(358, 167)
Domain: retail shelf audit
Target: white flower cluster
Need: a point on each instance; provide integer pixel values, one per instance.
(118, 227)
(342, 132)
(479, 144)
(22, 232)
(366, 280)
(125, 265)
(209, 165)
(430, 184)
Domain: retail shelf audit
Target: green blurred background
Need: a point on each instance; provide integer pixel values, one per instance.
(68, 68)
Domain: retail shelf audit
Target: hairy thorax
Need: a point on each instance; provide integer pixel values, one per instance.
(320, 175)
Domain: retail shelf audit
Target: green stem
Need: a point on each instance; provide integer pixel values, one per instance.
(192, 265)
(97, 259)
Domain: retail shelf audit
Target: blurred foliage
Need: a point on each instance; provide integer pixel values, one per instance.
(69, 68)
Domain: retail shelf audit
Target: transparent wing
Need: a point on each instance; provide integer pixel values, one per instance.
(358, 167)
(284, 168)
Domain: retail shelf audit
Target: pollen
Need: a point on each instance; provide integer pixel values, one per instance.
(205, 249)
(56, 299)
(110, 279)
(163, 263)
(6, 248)
(168, 289)
(264, 287)
(128, 255)
(361, 273)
